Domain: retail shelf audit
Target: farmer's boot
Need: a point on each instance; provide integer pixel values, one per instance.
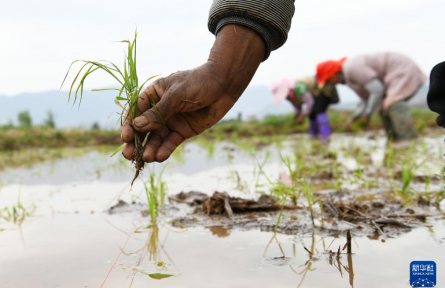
(402, 122)
(313, 128)
(323, 126)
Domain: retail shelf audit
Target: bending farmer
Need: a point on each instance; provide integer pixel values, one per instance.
(385, 82)
(316, 100)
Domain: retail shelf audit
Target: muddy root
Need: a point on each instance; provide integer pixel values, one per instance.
(138, 162)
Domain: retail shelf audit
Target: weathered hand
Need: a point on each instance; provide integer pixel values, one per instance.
(189, 102)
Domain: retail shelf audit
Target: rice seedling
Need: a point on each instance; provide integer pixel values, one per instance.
(389, 156)
(309, 199)
(337, 175)
(279, 219)
(361, 178)
(440, 196)
(290, 191)
(407, 174)
(16, 213)
(358, 174)
(152, 243)
(247, 145)
(128, 92)
(178, 154)
(155, 193)
(209, 146)
(282, 192)
(427, 192)
(407, 178)
(261, 171)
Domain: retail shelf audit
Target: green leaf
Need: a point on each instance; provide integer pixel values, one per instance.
(159, 276)
(106, 89)
(145, 140)
(121, 98)
(117, 150)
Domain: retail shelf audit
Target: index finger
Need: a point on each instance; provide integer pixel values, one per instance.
(153, 92)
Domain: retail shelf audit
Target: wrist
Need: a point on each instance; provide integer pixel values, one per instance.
(235, 57)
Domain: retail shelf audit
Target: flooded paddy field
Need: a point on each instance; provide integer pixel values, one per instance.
(71, 221)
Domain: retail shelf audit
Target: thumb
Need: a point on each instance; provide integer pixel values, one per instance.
(156, 116)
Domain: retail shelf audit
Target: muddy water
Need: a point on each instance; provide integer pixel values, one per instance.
(78, 250)
(69, 241)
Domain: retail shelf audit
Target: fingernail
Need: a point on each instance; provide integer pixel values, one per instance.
(140, 122)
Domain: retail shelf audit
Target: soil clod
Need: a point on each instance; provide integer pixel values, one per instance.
(373, 215)
(223, 204)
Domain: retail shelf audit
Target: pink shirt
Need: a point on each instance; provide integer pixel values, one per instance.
(400, 75)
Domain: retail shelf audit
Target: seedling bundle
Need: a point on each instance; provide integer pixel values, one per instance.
(128, 93)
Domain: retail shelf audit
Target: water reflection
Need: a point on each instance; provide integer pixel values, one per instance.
(214, 248)
(153, 260)
(219, 231)
(313, 257)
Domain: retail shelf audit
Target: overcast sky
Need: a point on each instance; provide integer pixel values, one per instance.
(39, 39)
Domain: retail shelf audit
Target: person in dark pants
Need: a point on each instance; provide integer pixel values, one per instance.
(319, 121)
(436, 93)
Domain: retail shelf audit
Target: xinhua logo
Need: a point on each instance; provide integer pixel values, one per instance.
(423, 274)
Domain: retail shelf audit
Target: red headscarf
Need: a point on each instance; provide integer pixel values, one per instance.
(327, 69)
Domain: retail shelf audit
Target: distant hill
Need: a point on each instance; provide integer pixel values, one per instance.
(97, 106)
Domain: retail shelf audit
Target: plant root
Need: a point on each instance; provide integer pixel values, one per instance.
(138, 162)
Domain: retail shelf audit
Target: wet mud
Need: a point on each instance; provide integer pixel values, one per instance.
(354, 187)
(365, 218)
(375, 216)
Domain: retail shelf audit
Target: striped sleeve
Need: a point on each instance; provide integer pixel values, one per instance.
(269, 18)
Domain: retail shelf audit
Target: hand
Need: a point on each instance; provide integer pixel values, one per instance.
(189, 102)
(348, 125)
(365, 119)
(301, 118)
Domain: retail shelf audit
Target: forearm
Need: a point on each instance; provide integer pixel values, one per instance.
(360, 110)
(376, 90)
(309, 103)
(295, 104)
(235, 57)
